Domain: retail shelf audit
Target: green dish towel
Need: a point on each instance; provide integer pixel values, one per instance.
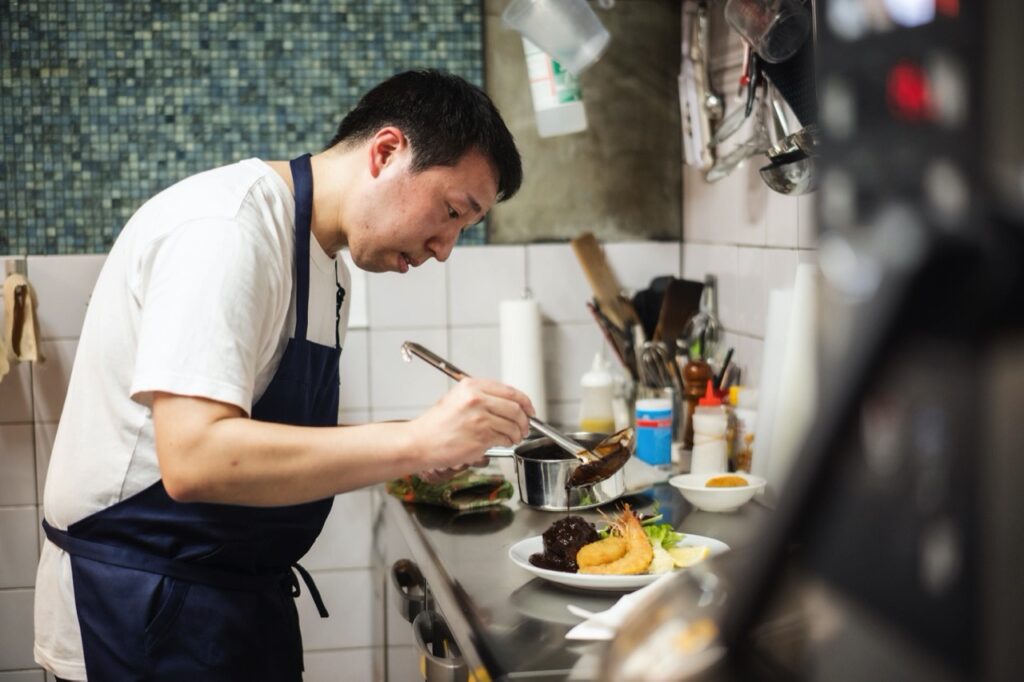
(467, 490)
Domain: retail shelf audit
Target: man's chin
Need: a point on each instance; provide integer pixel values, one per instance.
(369, 265)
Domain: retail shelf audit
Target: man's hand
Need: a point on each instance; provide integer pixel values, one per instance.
(473, 416)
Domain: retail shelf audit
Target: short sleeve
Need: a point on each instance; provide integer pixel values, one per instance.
(211, 303)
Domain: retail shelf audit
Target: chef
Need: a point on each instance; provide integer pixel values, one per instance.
(198, 451)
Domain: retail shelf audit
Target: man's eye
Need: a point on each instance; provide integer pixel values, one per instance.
(452, 213)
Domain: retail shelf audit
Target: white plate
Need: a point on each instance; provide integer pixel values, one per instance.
(520, 553)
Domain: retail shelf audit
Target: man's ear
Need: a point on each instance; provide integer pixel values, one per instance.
(384, 146)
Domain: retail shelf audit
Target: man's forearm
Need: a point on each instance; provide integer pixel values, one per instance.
(237, 460)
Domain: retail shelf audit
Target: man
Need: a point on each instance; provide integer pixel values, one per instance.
(198, 449)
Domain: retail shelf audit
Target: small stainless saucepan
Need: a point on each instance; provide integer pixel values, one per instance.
(543, 470)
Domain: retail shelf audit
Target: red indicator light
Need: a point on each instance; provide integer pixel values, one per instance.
(948, 8)
(908, 92)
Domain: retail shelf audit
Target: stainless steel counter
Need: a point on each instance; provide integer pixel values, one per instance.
(507, 622)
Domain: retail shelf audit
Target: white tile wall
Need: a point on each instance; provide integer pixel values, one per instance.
(403, 663)
(19, 539)
(345, 541)
(395, 383)
(476, 350)
(58, 281)
(16, 626)
(554, 277)
(417, 299)
(347, 596)
(479, 279)
(357, 318)
(17, 464)
(44, 434)
(752, 239)
(355, 371)
(807, 237)
(342, 664)
(636, 263)
(23, 676)
(444, 308)
(50, 379)
(568, 353)
(16, 393)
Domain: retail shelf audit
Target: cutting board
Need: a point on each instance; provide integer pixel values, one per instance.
(603, 282)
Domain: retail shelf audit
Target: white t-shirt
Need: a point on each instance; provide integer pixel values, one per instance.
(195, 298)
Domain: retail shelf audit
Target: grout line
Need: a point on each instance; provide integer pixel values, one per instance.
(345, 569)
(766, 247)
(35, 449)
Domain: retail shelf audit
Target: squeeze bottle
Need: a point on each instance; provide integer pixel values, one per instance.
(710, 440)
(596, 396)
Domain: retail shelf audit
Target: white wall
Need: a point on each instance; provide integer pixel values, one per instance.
(752, 239)
(737, 229)
(450, 308)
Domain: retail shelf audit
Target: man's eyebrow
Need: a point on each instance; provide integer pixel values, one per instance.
(473, 203)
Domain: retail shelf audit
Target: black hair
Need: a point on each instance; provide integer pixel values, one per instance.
(443, 116)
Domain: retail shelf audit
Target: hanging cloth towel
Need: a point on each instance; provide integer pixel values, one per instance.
(467, 490)
(5, 365)
(21, 330)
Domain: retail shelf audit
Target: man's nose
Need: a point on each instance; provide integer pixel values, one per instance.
(442, 246)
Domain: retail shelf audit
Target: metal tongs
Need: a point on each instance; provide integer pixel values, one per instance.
(409, 349)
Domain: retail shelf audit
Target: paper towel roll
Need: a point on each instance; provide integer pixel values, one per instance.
(798, 385)
(522, 356)
(780, 302)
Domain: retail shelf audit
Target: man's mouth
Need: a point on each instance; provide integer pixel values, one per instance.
(404, 263)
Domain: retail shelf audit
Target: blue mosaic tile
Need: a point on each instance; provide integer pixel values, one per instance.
(102, 105)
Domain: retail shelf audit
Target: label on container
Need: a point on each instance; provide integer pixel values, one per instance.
(654, 431)
(550, 84)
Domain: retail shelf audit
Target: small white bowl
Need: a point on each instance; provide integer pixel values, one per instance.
(694, 488)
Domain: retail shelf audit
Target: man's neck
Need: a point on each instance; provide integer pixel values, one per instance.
(329, 193)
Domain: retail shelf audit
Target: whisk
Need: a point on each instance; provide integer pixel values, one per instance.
(657, 367)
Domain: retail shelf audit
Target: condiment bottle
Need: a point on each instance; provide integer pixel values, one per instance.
(696, 374)
(596, 398)
(710, 437)
(654, 431)
(744, 402)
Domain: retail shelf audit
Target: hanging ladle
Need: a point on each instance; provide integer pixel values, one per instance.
(603, 461)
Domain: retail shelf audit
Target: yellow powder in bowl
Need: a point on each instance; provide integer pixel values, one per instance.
(729, 481)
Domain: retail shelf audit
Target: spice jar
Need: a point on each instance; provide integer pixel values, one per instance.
(696, 374)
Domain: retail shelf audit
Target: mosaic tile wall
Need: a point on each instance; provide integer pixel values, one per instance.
(103, 104)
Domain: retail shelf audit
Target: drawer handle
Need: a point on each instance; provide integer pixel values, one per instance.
(411, 588)
(442, 660)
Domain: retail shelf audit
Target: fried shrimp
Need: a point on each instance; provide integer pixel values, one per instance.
(601, 552)
(638, 548)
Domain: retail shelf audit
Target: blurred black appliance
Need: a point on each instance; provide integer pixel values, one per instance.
(902, 523)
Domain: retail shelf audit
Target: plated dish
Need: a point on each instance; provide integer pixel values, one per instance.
(520, 553)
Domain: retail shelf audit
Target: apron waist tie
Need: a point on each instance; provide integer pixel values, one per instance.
(195, 573)
(292, 584)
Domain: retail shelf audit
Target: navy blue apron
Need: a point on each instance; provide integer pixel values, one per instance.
(173, 591)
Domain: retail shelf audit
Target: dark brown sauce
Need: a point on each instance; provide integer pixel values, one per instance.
(595, 472)
(562, 540)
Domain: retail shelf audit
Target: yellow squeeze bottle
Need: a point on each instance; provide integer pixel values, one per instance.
(596, 414)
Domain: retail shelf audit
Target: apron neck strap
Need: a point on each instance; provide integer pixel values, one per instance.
(302, 178)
